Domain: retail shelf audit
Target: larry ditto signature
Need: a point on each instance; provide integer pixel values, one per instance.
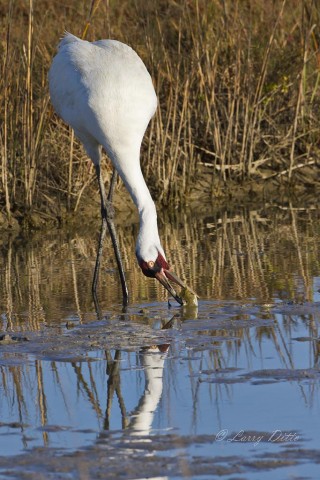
(277, 436)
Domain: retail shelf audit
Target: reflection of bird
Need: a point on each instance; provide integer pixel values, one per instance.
(104, 91)
(152, 360)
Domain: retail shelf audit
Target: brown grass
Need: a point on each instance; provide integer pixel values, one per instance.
(237, 84)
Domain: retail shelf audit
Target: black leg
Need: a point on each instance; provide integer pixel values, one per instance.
(112, 185)
(116, 248)
(103, 232)
(107, 213)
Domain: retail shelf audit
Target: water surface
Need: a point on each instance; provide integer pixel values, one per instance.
(91, 390)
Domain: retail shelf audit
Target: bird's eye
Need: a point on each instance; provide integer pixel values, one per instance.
(151, 264)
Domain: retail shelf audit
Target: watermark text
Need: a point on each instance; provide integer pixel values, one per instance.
(277, 436)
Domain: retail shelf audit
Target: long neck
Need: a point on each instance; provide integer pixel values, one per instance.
(127, 163)
(148, 242)
(134, 181)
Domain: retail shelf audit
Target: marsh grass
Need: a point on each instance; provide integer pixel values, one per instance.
(237, 84)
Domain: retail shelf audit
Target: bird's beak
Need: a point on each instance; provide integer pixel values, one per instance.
(164, 276)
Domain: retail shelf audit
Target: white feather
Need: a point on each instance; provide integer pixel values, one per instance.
(104, 91)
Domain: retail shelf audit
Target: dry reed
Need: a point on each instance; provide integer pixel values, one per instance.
(237, 84)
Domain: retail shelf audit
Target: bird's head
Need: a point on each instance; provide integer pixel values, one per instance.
(156, 266)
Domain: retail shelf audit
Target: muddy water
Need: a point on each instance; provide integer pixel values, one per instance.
(90, 390)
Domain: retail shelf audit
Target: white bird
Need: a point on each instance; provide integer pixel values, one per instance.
(104, 92)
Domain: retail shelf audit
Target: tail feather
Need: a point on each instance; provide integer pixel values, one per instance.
(67, 38)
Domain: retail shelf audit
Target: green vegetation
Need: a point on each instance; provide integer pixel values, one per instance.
(237, 82)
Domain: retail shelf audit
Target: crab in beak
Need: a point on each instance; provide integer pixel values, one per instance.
(160, 270)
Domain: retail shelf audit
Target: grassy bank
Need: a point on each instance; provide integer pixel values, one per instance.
(237, 83)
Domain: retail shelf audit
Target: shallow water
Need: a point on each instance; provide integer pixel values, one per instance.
(91, 390)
